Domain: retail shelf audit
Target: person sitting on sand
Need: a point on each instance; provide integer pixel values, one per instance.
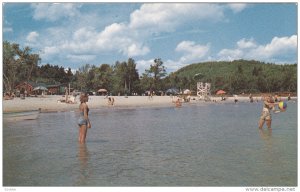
(71, 100)
(7, 96)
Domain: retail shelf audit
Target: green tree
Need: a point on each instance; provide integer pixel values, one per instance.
(18, 64)
(145, 82)
(120, 77)
(126, 77)
(81, 78)
(157, 71)
(9, 66)
(26, 62)
(105, 77)
(132, 76)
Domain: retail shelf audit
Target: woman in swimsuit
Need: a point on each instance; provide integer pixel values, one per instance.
(268, 105)
(83, 121)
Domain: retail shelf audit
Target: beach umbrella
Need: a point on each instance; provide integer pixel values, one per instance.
(220, 92)
(102, 90)
(42, 88)
(172, 91)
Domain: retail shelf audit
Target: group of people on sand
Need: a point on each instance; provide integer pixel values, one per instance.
(9, 96)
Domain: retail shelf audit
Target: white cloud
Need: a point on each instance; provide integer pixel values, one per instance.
(81, 58)
(54, 11)
(192, 51)
(7, 29)
(49, 52)
(245, 44)
(113, 37)
(169, 64)
(135, 50)
(142, 65)
(129, 38)
(230, 54)
(173, 65)
(82, 39)
(165, 17)
(279, 47)
(237, 7)
(32, 36)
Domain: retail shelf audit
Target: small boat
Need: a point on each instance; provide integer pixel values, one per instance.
(21, 115)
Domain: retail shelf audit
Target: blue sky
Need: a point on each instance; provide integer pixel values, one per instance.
(73, 34)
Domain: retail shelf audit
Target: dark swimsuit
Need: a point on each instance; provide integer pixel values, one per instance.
(82, 120)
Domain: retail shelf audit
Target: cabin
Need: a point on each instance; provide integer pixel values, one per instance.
(25, 87)
(57, 89)
(28, 87)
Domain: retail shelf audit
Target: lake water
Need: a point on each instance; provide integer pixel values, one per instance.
(195, 145)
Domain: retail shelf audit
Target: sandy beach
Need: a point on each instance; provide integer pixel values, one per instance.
(51, 103)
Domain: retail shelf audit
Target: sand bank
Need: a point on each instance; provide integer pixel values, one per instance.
(50, 103)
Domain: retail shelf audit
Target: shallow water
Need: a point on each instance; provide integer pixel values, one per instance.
(195, 145)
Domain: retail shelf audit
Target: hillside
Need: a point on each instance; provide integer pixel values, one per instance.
(242, 76)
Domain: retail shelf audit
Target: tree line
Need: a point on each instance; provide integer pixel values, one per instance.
(122, 77)
(20, 64)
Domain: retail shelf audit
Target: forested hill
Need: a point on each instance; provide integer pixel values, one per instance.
(243, 76)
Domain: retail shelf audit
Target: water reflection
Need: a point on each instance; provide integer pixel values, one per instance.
(265, 134)
(269, 154)
(84, 171)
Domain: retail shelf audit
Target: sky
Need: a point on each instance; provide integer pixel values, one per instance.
(74, 34)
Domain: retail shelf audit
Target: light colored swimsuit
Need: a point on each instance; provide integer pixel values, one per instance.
(266, 115)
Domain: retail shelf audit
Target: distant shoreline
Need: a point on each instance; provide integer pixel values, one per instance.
(50, 103)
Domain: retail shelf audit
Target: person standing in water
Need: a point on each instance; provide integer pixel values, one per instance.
(83, 121)
(268, 105)
(177, 102)
(251, 98)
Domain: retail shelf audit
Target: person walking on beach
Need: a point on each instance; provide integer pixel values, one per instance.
(111, 101)
(83, 121)
(268, 105)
